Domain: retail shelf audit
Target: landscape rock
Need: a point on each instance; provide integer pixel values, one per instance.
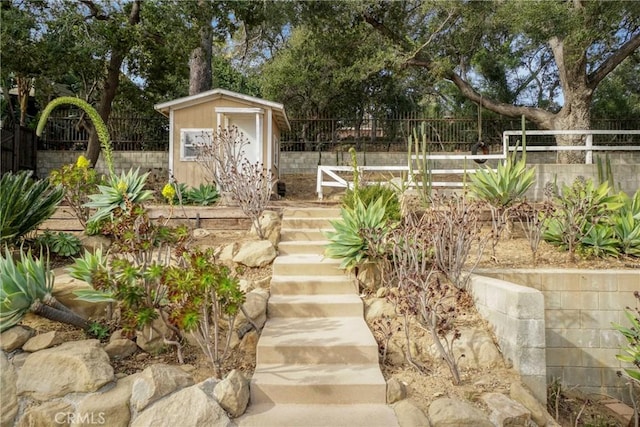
(155, 382)
(232, 393)
(256, 307)
(190, 406)
(249, 343)
(480, 352)
(120, 348)
(409, 415)
(446, 412)
(270, 223)
(255, 253)
(112, 404)
(78, 366)
(42, 341)
(14, 338)
(246, 285)
(382, 292)
(369, 276)
(377, 308)
(63, 289)
(200, 233)
(9, 401)
(539, 413)
(151, 337)
(57, 413)
(18, 360)
(92, 243)
(396, 391)
(263, 283)
(506, 412)
(227, 252)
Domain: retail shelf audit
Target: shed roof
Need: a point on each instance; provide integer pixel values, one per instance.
(188, 101)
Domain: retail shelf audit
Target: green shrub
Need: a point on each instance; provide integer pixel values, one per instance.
(631, 351)
(60, 243)
(26, 203)
(79, 181)
(203, 195)
(371, 193)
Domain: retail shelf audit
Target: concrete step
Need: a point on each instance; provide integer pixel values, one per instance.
(333, 212)
(318, 285)
(345, 305)
(306, 265)
(302, 222)
(303, 234)
(309, 340)
(361, 415)
(318, 384)
(301, 247)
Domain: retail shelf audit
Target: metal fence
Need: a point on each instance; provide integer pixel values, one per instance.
(69, 131)
(66, 130)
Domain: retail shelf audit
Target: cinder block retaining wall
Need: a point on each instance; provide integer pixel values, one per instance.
(516, 314)
(579, 307)
(625, 174)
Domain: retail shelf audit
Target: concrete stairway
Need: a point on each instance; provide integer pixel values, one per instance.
(317, 361)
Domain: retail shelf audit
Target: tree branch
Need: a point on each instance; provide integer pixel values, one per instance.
(613, 61)
(94, 10)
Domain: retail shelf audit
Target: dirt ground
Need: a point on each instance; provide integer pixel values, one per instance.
(423, 387)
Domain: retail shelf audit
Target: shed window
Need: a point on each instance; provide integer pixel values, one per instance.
(191, 139)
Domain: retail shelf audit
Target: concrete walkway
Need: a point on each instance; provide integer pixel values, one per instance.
(317, 361)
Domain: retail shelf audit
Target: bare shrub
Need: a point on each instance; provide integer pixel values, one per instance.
(532, 218)
(455, 230)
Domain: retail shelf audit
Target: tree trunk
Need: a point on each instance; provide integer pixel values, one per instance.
(24, 88)
(56, 315)
(577, 119)
(200, 76)
(111, 82)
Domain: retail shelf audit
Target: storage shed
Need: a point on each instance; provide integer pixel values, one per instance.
(200, 116)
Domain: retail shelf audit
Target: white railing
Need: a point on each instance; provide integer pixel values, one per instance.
(588, 146)
(328, 175)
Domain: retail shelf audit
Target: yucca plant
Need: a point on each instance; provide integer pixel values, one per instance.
(26, 203)
(25, 286)
(359, 235)
(128, 188)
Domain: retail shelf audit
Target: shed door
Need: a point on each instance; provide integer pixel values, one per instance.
(248, 124)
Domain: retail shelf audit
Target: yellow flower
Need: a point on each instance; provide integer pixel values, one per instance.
(122, 187)
(82, 162)
(169, 192)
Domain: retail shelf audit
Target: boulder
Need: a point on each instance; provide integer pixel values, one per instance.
(446, 412)
(63, 289)
(190, 406)
(249, 343)
(270, 223)
(255, 253)
(14, 338)
(120, 348)
(42, 341)
(409, 415)
(256, 307)
(377, 308)
(155, 382)
(9, 401)
(396, 391)
(227, 252)
(369, 276)
(92, 243)
(506, 412)
(151, 337)
(56, 413)
(539, 413)
(232, 393)
(246, 286)
(78, 366)
(480, 352)
(112, 404)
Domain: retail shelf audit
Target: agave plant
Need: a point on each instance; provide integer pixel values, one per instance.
(359, 235)
(26, 203)
(85, 268)
(505, 185)
(600, 241)
(26, 286)
(203, 195)
(128, 188)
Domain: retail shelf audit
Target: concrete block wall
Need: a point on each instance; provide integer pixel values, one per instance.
(516, 314)
(157, 161)
(580, 305)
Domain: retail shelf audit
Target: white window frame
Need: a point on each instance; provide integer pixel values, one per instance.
(195, 133)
